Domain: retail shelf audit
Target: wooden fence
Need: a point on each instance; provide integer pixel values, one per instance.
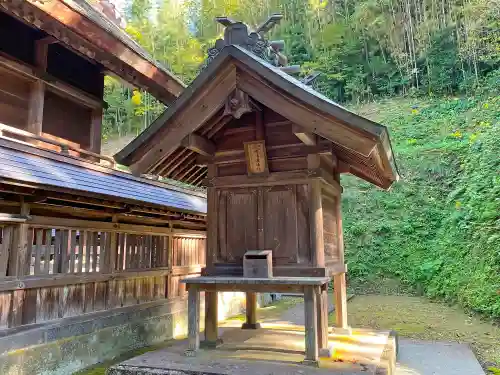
(52, 268)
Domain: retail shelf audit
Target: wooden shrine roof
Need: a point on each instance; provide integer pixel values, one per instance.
(28, 167)
(361, 144)
(84, 29)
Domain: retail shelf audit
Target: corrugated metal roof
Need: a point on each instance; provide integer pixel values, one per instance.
(26, 167)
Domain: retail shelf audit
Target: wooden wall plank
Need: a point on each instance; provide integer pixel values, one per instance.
(100, 296)
(88, 304)
(73, 300)
(5, 306)
(47, 304)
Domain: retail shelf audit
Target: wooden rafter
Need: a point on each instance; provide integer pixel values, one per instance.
(198, 144)
(306, 137)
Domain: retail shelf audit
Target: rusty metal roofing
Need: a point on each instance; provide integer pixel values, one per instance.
(29, 165)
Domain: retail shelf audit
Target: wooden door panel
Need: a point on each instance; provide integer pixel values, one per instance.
(280, 223)
(237, 224)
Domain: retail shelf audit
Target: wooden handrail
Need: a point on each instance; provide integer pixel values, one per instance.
(65, 147)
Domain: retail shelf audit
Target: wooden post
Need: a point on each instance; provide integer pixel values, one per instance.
(193, 321)
(311, 327)
(37, 96)
(322, 302)
(23, 308)
(251, 312)
(316, 215)
(212, 219)
(95, 130)
(339, 283)
(211, 321)
(339, 286)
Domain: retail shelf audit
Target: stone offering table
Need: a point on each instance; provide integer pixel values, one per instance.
(310, 287)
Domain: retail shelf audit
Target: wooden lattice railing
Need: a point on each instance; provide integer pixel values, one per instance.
(78, 266)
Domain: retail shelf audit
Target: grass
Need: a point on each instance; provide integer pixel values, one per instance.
(420, 318)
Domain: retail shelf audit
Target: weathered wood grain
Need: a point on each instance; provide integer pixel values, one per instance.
(5, 306)
(311, 324)
(47, 307)
(5, 246)
(73, 300)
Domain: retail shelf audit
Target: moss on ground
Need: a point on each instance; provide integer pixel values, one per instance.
(100, 369)
(420, 318)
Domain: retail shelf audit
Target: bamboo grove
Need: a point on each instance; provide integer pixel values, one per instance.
(364, 49)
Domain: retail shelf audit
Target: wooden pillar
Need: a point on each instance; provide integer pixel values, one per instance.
(211, 320)
(37, 95)
(339, 282)
(322, 302)
(311, 327)
(193, 321)
(316, 215)
(96, 130)
(23, 308)
(212, 219)
(251, 312)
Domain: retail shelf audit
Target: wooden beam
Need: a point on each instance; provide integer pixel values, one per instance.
(306, 137)
(273, 153)
(52, 83)
(13, 218)
(275, 178)
(199, 144)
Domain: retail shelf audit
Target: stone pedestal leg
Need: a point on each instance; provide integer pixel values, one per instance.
(311, 325)
(193, 322)
(212, 339)
(251, 312)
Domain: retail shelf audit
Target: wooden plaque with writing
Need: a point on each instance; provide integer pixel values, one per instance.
(256, 156)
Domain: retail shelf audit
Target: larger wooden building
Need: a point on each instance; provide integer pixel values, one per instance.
(84, 247)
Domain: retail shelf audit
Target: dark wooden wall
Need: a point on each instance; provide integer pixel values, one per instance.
(14, 99)
(47, 88)
(66, 119)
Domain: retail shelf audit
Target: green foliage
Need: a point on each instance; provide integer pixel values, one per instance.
(439, 228)
(365, 49)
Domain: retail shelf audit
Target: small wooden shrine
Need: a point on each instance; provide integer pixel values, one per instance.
(270, 151)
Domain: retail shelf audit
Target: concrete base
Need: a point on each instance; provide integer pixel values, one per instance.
(326, 352)
(273, 350)
(250, 326)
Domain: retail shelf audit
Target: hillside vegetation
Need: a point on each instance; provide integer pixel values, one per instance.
(438, 229)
